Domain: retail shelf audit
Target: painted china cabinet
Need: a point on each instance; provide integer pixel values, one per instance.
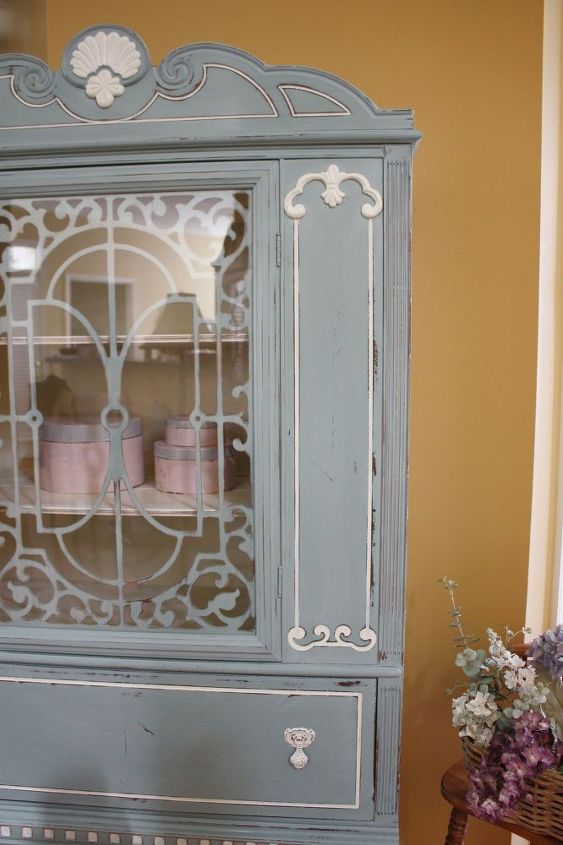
(204, 341)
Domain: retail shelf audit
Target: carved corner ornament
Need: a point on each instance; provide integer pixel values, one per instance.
(341, 637)
(333, 195)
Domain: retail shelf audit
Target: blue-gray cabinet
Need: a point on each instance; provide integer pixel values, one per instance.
(204, 344)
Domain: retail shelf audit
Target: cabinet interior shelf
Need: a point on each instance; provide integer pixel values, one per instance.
(149, 340)
(154, 501)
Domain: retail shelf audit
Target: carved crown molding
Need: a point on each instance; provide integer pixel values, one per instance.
(106, 77)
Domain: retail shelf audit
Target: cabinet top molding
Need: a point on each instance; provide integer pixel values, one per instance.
(199, 94)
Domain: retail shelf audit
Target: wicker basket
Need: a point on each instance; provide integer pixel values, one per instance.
(543, 811)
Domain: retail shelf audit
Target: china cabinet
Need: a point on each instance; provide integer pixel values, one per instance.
(203, 438)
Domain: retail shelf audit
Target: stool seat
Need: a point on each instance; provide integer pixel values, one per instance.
(454, 789)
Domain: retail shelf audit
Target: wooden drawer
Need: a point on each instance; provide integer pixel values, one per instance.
(201, 747)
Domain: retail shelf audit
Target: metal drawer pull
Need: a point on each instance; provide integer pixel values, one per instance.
(299, 738)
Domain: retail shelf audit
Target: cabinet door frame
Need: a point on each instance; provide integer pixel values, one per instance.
(262, 181)
(342, 626)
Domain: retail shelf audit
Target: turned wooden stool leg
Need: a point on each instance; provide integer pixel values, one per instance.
(456, 827)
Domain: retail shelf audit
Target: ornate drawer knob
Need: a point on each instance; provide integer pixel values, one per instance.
(299, 738)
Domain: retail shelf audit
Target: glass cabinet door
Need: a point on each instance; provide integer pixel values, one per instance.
(126, 464)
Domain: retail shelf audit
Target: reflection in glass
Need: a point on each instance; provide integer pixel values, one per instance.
(126, 311)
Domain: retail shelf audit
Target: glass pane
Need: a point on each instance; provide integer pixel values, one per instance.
(125, 408)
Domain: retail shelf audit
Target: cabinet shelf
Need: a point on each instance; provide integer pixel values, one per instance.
(155, 501)
(150, 340)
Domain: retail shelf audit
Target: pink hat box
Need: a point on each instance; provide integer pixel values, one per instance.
(180, 432)
(176, 468)
(74, 453)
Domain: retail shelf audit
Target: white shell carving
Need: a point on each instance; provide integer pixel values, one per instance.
(299, 738)
(106, 49)
(105, 54)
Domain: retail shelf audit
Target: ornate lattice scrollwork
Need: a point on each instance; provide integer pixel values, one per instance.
(117, 558)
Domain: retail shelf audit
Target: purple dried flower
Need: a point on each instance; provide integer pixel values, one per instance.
(529, 723)
(490, 809)
(547, 651)
(511, 761)
(535, 755)
(514, 766)
(509, 793)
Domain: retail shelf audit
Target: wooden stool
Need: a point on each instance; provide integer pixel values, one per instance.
(454, 789)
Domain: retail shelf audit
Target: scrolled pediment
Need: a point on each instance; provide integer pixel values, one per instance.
(208, 91)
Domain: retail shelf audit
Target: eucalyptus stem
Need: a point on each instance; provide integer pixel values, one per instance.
(455, 612)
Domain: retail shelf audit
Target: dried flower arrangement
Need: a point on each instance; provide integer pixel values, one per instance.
(511, 708)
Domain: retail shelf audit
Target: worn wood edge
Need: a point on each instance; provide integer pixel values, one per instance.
(57, 151)
(33, 663)
(396, 367)
(388, 730)
(170, 828)
(204, 154)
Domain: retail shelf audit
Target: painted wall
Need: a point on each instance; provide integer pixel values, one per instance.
(472, 71)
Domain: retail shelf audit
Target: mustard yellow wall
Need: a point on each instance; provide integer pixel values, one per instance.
(472, 71)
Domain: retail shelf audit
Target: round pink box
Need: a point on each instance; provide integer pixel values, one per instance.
(180, 432)
(176, 469)
(74, 452)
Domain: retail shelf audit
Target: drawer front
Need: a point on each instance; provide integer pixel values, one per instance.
(207, 748)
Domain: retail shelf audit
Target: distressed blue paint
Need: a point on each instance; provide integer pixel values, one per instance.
(216, 116)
